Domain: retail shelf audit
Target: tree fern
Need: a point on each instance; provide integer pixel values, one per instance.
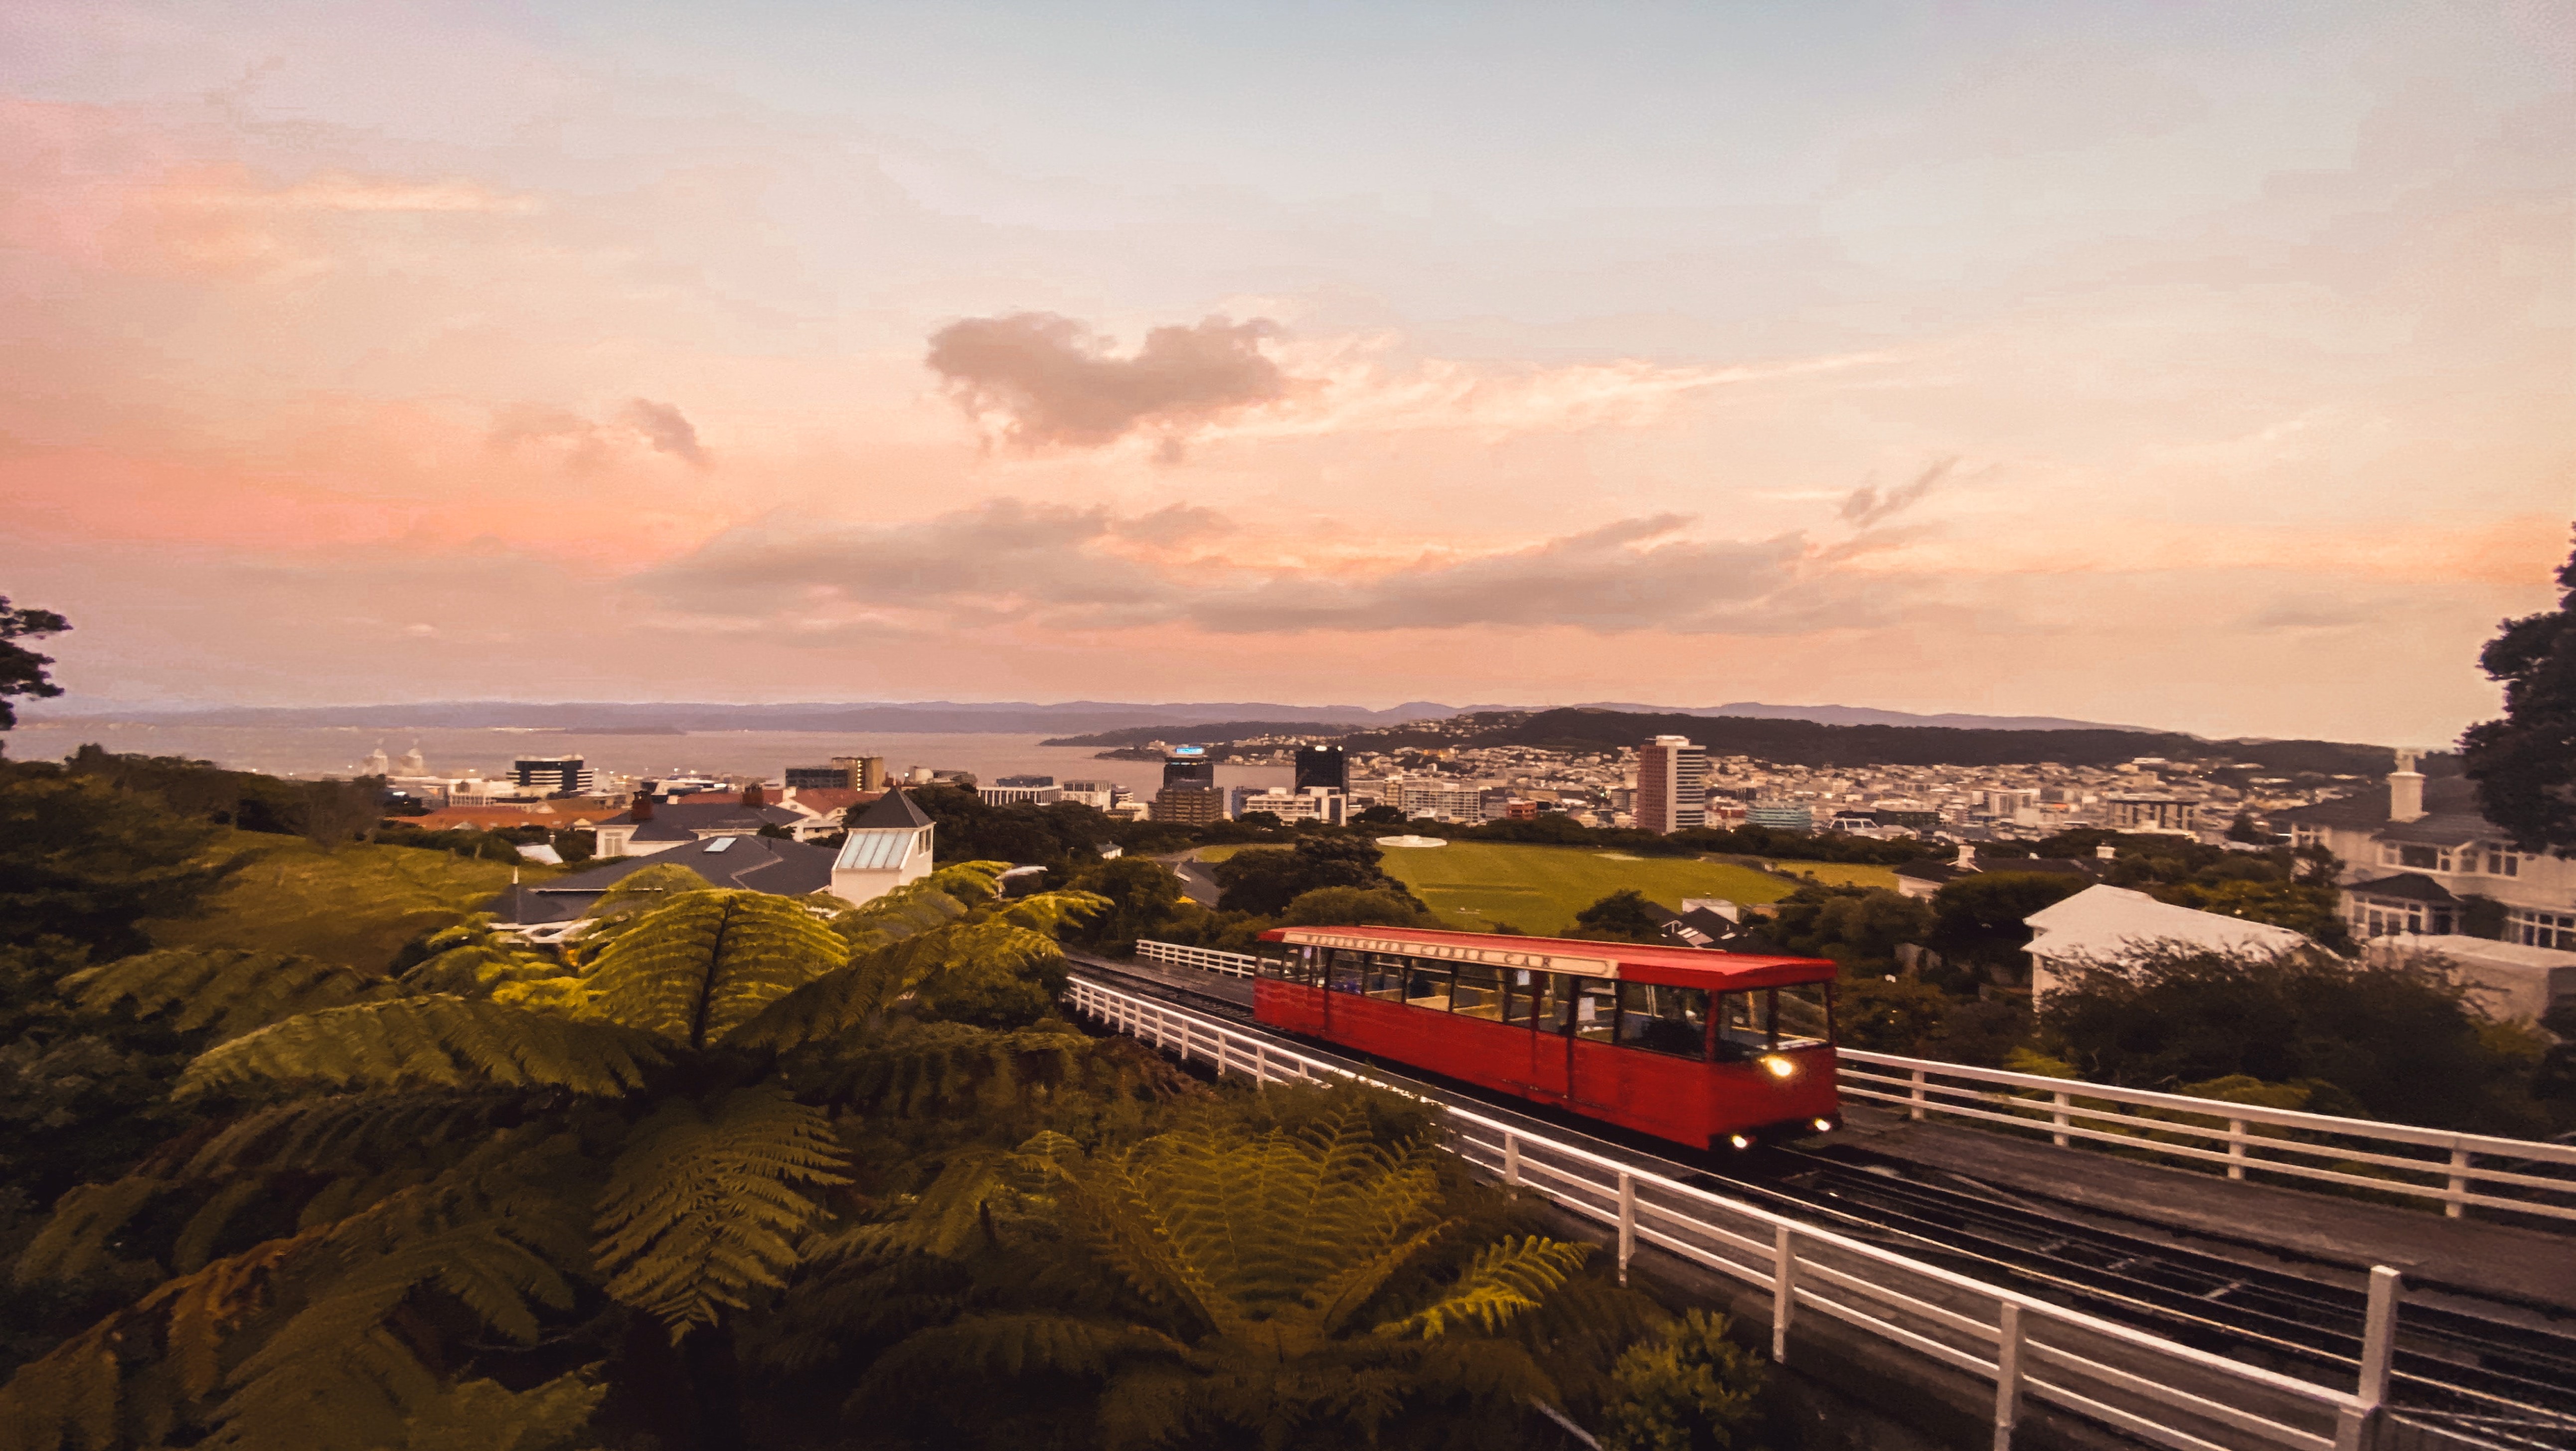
(858, 993)
(704, 1208)
(698, 967)
(635, 896)
(431, 1041)
(224, 988)
(470, 960)
(1503, 1281)
(916, 907)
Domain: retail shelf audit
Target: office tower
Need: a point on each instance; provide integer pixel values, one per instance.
(555, 773)
(1189, 766)
(1672, 785)
(1324, 766)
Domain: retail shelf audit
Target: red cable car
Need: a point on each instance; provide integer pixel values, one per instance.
(1708, 1049)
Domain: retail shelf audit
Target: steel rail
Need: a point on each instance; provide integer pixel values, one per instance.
(1918, 1306)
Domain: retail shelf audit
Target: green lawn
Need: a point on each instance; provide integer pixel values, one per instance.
(357, 905)
(1214, 854)
(1538, 889)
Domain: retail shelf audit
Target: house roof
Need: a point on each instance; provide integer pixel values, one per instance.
(894, 810)
(2367, 809)
(826, 800)
(2405, 887)
(682, 820)
(882, 850)
(755, 863)
(1930, 870)
(2105, 923)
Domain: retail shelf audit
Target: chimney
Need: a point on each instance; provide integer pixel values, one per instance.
(1967, 861)
(752, 795)
(642, 810)
(2405, 790)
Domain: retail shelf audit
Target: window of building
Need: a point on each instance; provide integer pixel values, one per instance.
(2502, 863)
(2423, 858)
(1596, 1008)
(1662, 1019)
(2541, 929)
(1479, 993)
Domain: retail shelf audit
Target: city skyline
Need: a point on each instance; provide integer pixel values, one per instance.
(2185, 366)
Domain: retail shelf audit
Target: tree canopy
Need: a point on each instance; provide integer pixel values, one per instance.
(2525, 764)
(22, 671)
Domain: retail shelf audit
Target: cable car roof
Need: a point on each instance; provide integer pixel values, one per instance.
(1638, 962)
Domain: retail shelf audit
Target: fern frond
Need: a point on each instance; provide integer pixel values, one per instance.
(224, 988)
(1503, 1281)
(338, 1133)
(919, 1068)
(635, 895)
(74, 1241)
(431, 1041)
(917, 907)
(855, 995)
(482, 1415)
(471, 960)
(695, 969)
(1010, 1345)
(1053, 912)
(703, 1208)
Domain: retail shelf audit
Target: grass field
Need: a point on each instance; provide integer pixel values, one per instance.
(1538, 889)
(357, 905)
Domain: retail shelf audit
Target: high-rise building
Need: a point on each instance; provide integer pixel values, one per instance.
(846, 773)
(1189, 766)
(555, 773)
(1672, 785)
(1323, 766)
(1189, 805)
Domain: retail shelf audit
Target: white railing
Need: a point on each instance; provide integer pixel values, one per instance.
(2028, 1349)
(2237, 1137)
(2427, 1164)
(1206, 959)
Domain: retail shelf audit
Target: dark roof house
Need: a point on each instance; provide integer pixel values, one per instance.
(754, 863)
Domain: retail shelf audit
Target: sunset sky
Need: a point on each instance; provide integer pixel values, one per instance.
(2207, 366)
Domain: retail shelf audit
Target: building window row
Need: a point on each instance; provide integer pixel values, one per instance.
(2541, 929)
(2479, 858)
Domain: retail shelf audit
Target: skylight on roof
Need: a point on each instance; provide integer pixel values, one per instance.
(719, 844)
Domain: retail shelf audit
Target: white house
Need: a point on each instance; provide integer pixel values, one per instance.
(2417, 855)
(889, 845)
(2504, 979)
(2105, 924)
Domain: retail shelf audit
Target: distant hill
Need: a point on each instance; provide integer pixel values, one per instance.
(1808, 743)
(1221, 733)
(1868, 715)
(938, 716)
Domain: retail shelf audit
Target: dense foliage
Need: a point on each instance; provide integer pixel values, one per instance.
(22, 671)
(2525, 763)
(2390, 1039)
(1263, 883)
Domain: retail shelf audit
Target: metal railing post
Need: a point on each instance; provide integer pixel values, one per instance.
(1512, 1160)
(2236, 1148)
(1915, 1110)
(1784, 1289)
(2007, 1375)
(2455, 1198)
(1627, 1222)
(2057, 1120)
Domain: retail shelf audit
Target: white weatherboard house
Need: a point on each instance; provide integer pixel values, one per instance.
(888, 846)
(2107, 924)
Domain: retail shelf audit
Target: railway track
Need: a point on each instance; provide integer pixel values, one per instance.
(2501, 1381)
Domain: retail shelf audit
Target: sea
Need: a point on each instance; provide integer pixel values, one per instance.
(311, 752)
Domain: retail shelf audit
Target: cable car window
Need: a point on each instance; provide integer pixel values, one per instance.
(1348, 972)
(1802, 1015)
(1663, 1019)
(1479, 992)
(1596, 1008)
(1301, 965)
(1741, 1031)
(1386, 977)
(1556, 1010)
(1426, 984)
(1522, 990)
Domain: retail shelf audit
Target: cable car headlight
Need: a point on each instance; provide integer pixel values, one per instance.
(1824, 1126)
(1779, 1067)
(1740, 1141)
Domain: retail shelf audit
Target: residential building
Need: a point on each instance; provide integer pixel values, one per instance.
(1313, 803)
(848, 773)
(2103, 924)
(890, 844)
(649, 827)
(2505, 979)
(1795, 816)
(1189, 805)
(1098, 795)
(568, 775)
(1672, 785)
(822, 810)
(1021, 791)
(1922, 879)
(2418, 858)
(551, 910)
(1441, 798)
(2146, 811)
(1323, 766)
